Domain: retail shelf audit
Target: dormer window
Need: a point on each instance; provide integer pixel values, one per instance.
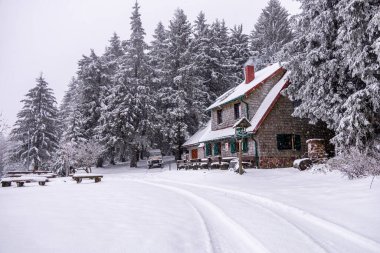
(219, 116)
(237, 110)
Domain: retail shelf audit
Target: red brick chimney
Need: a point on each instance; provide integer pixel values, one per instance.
(249, 70)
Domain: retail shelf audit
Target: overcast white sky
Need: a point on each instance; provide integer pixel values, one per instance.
(50, 36)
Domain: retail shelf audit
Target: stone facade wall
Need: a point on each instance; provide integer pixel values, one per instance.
(228, 116)
(258, 95)
(227, 152)
(280, 121)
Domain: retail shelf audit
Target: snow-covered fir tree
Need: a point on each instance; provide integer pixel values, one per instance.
(130, 101)
(238, 52)
(69, 114)
(3, 153)
(335, 70)
(173, 96)
(201, 60)
(156, 56)
(111, 61)
(91, 81)
(359, 47)
(35, 131)
(159, 77)
(270, 33)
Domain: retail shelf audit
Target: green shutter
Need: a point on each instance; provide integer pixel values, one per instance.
(208, 149)
(297, 142)
(216, 149)
(233, 146)
(245, 145)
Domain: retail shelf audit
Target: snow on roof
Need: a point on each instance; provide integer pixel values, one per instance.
(243, 88)
(218, 134)
(195, 138)
(268, 103)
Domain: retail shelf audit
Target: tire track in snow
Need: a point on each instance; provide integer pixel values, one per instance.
(250, 243)
(302, 231)
(210, 244)
(317, 246)
(273, 205)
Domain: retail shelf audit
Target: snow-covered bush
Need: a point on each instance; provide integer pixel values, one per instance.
(86, 154)
(356, 164)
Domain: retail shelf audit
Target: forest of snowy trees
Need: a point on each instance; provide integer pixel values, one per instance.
(138, 96)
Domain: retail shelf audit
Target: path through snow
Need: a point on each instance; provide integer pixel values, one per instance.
(140, 210)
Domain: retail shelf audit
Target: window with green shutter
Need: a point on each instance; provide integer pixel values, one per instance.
(217, 148)
(233, 146)
(245, 145)
(208, 149)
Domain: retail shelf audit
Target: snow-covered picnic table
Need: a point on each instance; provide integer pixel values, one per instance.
(7, 181)
(79, 176)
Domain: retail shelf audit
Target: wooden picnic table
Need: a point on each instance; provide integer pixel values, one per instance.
(38, 172)
(79, 177)
(7, 181)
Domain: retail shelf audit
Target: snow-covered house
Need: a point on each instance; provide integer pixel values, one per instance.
(276, 138)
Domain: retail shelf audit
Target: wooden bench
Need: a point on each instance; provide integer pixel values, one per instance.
(7, 181)
(79, 177)
(181, 164)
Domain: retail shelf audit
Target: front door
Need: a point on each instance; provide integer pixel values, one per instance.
(194, 154)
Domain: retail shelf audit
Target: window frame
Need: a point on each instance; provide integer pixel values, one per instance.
(237, 110)
(219, 116)
(288, 142)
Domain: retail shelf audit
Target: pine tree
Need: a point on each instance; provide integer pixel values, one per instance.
(91, 81)
(111, 61)
(157, 55)
(335, 72)
(239, 53)
(35, 130)
(174, 96)
(219, 66)
(130, 102)
(158, 74)
(359, 43)
(271, 32)
(69, 113)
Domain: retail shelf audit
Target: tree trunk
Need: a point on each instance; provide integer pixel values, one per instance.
(99, 162)
(133, 155)
(35, 165)
(122, 153)
(112, 156)
(137, 155)
(177, 153)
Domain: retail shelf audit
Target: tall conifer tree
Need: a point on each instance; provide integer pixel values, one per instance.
(35, 130)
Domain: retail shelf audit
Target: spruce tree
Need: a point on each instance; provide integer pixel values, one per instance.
(157, 62)
(174, 96)
(111, 61)
(335, 72)
(91, 81)
(131, 104)
(70, 115)
(35, 130)
(271, 32)
(238, 51)
(359, 47)
(219, 65)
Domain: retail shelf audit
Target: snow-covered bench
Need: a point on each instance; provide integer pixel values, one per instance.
(7, 181)
(79, 177)
(21, 174)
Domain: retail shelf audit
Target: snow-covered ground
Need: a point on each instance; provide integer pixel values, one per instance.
(162, 210)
